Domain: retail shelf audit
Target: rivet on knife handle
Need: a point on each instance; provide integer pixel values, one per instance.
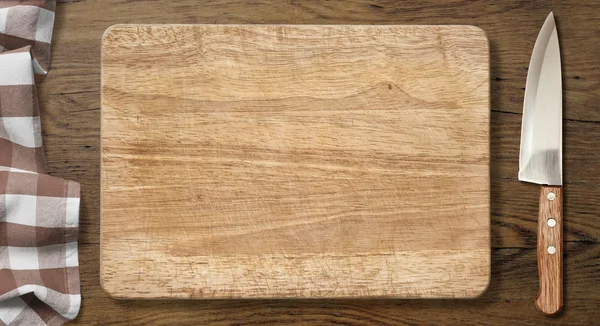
(550, 254)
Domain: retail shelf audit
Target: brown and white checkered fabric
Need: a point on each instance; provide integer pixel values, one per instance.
(28, 23)
(39, 214)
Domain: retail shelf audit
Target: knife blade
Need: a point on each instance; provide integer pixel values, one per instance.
(540, 160)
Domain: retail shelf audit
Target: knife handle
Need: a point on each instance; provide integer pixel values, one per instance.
(550, 250)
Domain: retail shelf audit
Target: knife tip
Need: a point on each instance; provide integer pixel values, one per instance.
(550, 21)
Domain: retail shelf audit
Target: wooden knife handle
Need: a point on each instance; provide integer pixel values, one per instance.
(550, 250)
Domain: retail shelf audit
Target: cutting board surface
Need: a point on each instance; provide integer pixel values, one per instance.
(261, 161)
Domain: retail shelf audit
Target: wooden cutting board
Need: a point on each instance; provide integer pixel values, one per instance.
(261, 161)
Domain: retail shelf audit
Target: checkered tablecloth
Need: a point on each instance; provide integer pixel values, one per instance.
(39, 214)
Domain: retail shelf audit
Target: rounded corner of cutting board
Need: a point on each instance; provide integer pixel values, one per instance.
(479, 289)
(112, 288)
(115, 29)
(475, 33)
(479, 32)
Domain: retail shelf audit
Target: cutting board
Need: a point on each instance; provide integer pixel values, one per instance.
(295, 161)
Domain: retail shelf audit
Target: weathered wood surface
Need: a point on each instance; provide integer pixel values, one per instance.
(295, 161)
(70, 104)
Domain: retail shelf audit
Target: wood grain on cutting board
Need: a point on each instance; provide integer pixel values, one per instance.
(249, 161)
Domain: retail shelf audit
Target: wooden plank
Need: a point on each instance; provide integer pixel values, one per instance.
(512, 291)
(510, 298)
(70, 102)
(332, 312)
(295, 161)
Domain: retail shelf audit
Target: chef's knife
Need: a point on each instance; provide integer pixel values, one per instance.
(540, 160)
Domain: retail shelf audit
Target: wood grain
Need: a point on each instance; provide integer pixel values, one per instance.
(70, 102)
(550, 250)
(295, 161)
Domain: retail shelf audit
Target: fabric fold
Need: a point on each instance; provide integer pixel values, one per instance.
(28, 23)
(39, 214)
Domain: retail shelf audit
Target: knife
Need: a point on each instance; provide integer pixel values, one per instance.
(540, 160)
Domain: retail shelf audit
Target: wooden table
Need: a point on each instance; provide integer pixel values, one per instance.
(70, 106)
